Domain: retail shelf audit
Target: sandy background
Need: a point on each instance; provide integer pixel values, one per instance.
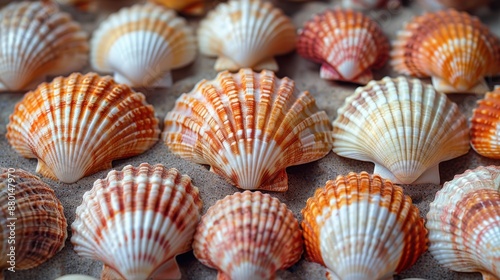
(303, 180)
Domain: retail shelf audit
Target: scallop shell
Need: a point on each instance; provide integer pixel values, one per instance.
(369, 4)
(37, 41)
(453, 48)
(248, 236)
(33, 222)
(403, 126)
(83, 5)
(485, 129)
(249, 127)
(246, 34)
(76, 126)
(347, 43)
(361, 226)
(142, 44)
(461, 5)
(136, 221)
(188, 7)
(464, 223)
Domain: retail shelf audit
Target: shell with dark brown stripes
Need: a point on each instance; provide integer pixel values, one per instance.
(361, 226)
(249, 127)
(464, 223)
(136, 221)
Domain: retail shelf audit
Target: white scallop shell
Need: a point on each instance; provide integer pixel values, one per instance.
(137, 220)
(142, 44)
(403, 126)
(246, 34)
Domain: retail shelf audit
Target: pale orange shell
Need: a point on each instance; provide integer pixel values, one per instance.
(248, 236)
(188, 7)
(78, 125)
(485, 126)
(453, 48)
(347, 43)
(249, 127)
(362, 225)
(40, 227)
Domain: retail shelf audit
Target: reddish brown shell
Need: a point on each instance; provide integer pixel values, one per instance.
(347, 43)
(453, 48)
(485, 125)
(363, 225)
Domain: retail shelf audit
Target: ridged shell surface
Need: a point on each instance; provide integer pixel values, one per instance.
(37, 41)
(249, 127)
(248, 236)
(460, 5)
(485, 125)
(403, 126)
(32, 220)
(188, 7)
(464, 223)
(246, 34)
(136, 221)
(78, 125)
(361, 226)
(453, 48)
(142, 44)
(347, 43)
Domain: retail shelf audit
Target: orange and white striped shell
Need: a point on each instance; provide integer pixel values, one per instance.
(142, 44)
(246, 34)
(347, 43)
(188, 7)
(76, 126)
(485, 125)
(249, 127)
(454, 48)
(136, 221)
(361, 226)
(38, 40)
(32, 220)
(248, 236)
(403, 126)
(464, 223)
(460, 5)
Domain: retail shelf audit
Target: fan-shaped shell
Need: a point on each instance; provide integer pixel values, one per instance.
(485, 125)
(189, 7)
(37, 41)
(136, 221)
(460, 5)
(249, 127)
(246, 34)
(141, 44)
(78, 125)
(361, 226)
(464, 223)
(33, 223)
(347, 43)
(453, 48)
(248, 236)
(403, 126)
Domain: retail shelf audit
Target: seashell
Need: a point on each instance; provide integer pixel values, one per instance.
(460, 5)
(403, 126)
(246, 34)
(142, 44)
(464, 223)
(249, 127)
(453, 48)
(347, 43)
(248, 236)
(369, 4)
(136, 221)
(83, 5)
(188, 7)
(361, 226)
(33, 222)
(38, 41)
(78, 125)
(484, 130)
(75, 277)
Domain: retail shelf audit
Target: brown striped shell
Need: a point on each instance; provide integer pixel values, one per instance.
(485, 125)
(248, 236)
(453, 48)
(77, 125)
(362, 226)
(249, 127)
(136, 221)
(347, 43)
(464, 223)
(33, 224)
